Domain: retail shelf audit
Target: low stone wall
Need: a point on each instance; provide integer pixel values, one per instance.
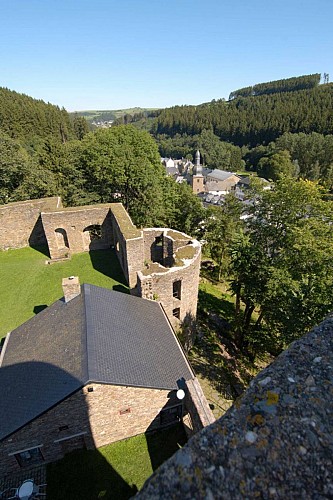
(275, 441)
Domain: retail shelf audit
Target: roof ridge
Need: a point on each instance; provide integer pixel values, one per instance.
(85, 291)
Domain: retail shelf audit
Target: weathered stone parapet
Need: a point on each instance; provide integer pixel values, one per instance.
(276, 440)
(198, 408)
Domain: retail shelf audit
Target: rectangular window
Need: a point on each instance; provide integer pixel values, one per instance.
(176, 312)
(29, 457)
(176, 289)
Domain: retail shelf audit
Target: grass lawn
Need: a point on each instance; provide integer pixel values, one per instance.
(27, 283)
(115, 471)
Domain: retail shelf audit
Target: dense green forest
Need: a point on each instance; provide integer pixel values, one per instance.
(250, 121)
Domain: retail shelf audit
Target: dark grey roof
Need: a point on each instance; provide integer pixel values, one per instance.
(44, 362)
(101, 336)
(220, 175)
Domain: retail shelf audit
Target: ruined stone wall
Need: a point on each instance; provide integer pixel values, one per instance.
(128, 242)
(21, 225)
(65, 233)
(153, 251)
(91, 419)
(154, 283)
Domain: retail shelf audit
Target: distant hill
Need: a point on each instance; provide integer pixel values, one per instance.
(100, 116)
(256, 115)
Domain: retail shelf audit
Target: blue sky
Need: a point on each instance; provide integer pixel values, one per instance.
(107, 54)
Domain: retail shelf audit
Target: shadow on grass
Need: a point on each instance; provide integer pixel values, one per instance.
(106, 262)
(210, 303)
(86, 475)
(162, 444)
(43, 249)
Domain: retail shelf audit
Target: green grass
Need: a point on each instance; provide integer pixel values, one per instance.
(115, 471)
(27, 283)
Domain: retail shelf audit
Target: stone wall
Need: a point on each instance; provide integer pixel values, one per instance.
(66, 230)
(157, 283)
(21, 225)
(274, 442)
(80, 229)
(92, 419)
(128, 242)
(199, 413)
(217, 185)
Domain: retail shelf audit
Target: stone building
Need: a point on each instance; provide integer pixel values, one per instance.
(93, 368)
(158, 263)
(220, 180)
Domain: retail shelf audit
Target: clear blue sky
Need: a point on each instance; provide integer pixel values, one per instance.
(112, 54)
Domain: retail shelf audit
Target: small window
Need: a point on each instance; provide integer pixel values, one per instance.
(176, 289)
(29, 457)
(198, 180)
(176, 312)
(90, 389)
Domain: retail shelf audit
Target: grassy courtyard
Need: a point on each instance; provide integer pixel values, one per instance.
(27, 284)
(115, 471)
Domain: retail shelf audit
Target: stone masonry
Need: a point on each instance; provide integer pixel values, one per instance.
(152, 260)
(97, 415)
(21, 225)
(275, 442)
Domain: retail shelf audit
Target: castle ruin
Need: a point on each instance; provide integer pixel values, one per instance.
(158, 263)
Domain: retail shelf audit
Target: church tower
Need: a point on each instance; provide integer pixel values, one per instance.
(197, 178)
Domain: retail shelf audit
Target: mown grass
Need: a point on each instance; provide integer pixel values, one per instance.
(114, 471)
(27, 283)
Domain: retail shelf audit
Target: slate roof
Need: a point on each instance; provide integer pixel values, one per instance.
(100, 336)
(220, 175)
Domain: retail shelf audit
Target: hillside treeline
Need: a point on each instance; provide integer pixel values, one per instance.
(251, 121)
(25, 118)
(284, 85)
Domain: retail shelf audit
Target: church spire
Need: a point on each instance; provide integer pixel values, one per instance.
(197, 166)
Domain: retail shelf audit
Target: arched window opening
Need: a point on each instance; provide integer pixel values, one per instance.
(61, 236)
(94, 231)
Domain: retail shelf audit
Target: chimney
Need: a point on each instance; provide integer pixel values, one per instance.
(71, 288)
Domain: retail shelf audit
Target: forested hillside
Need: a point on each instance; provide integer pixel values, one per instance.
(253, 120)
(25, 118)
